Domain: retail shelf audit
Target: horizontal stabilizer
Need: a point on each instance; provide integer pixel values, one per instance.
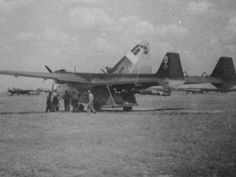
(224, 69)
(170, 67)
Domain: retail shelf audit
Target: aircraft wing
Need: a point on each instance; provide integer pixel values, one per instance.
(72, 78)
(202, 80)
(64, 77)
(108, 79)
(123, 81)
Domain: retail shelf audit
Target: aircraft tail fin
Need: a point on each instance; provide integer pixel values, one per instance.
(127, 63)
(170, 67)
(224, 69)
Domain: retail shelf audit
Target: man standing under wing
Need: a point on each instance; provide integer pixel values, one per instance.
(66, 98)
(90, 107)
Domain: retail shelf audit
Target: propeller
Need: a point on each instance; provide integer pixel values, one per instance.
(52, 87)
(49, 69)
(103, 71)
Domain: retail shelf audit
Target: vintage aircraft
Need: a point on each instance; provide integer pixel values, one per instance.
(199, 90)
(115, 89)
(223, 77)
(17, 91)
(45, 90)
(126, 65)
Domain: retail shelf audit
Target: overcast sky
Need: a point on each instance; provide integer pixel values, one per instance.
(92, 34)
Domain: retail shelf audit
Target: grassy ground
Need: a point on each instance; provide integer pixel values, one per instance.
(181, 135)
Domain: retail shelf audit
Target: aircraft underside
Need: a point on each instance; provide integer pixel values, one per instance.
(114, 97)
(104, 96)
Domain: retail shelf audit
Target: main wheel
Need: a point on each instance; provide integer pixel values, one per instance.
(127, 109)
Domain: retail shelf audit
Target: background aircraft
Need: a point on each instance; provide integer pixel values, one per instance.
(194, 90)
(157, 91)
(45, 90)
(223, 77)
(17, 91)
(202, 89)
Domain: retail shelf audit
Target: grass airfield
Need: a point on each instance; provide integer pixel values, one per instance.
(181, 135)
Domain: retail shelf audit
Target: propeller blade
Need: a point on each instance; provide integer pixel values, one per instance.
(49, 70)
(52, 87)
(103, 71)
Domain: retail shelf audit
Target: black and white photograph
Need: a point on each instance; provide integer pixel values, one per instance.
(117, 88)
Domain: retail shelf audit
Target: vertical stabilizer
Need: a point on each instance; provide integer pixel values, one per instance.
(127, 63)
(224, 69)
(170, 67)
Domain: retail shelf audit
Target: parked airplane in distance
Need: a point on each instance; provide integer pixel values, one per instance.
(45, 90)
(202, 90)
(223, 77)
(18, 91)
(157, 91)
(198, 90)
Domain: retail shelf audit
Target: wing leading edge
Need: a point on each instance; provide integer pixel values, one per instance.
(88, 78)
(64, 77)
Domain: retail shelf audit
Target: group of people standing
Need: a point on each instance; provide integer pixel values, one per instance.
(53, 104)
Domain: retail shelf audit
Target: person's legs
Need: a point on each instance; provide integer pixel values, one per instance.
(92, 109)
(89, 108)
(47, 108)
(68, 106)
(65, 105)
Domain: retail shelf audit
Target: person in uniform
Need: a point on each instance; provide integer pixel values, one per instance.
(75, 101)
(66, 98)
(55, 101)
(90, 103)
(48, 102)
